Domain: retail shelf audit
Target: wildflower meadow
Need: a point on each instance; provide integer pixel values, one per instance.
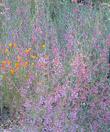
(54, 66)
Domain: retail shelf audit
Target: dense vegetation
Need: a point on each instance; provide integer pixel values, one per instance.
(54, 66)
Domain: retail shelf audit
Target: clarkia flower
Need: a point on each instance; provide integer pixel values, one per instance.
(75, 1)
(108, 40)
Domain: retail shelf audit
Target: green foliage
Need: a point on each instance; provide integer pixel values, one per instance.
(11, 96)
(33, 8)
(101, 1)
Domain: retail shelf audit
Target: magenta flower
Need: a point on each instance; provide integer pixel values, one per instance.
(74, 93)
(69, 37)
(80, 68)
(28, 104)
(95, 126)
(107, 117)
(38, 30)
(75, 10)
(75, 1)
(33, 39)
(108, 40)
(74, 113)
(55, 50)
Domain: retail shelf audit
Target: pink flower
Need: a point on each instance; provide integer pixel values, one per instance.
(95, 126)
(55, 51)
(107, 117)
(108, 40)
(75, 10)
(74, 114)
(42, 63)
(69, 37)
(33, 39)
(74, 93)
(23, 92)
(69, 46)
(38, 29)
(80, 68)
(28, 104)
(94, 90)
(75, 1)
(56, 61)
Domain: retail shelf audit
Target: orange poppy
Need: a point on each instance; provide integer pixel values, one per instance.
(17, 65)
(3, 64)
(46, 56)
(14, 45)
(27, 51)
(19, 59)
(26, 63)
(8, 62)
(12, 72)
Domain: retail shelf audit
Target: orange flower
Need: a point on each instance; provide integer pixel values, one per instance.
(3, 64)
(12, 72)
(46, 56)
(27, 51)
(8, 62)
(14, 45)
(19, 59)
(17, 65)
(26, 63)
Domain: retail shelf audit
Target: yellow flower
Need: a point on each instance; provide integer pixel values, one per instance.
(10, 45)
(33, 64)
(9, 62)
(43, 45)
(27, 51)
(33, 56)
(6, 50)
(12, 72)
